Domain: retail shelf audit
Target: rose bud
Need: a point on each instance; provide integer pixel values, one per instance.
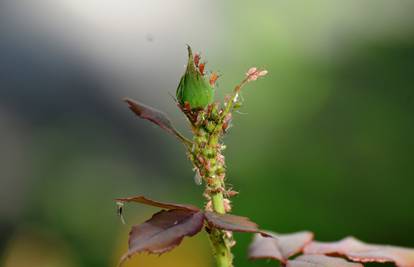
(193, 88)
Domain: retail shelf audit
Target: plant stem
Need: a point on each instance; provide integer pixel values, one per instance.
(222, 253)
(219, 240)
(218, 203)
(209, 161)
(209, 125)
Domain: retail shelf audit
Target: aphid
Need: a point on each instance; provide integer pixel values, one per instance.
(209, 206)
(187, 106)
(236, 98)
(197, 178)
(231, 193)
(213, 78)
(201, 67)
(227, 205)
(196, 59)
(227, 122)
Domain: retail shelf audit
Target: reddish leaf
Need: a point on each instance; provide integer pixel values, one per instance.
(232, 222)
(279, 247)
(320, 261)
(163, 205)
(359, 251)
(155, 116)
(164, 231)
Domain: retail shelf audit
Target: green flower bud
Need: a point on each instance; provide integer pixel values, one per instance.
(193, 87)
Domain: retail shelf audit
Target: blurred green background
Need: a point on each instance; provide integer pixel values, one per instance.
(324, 143)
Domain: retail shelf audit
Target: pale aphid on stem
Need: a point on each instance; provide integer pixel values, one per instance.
(197, 178)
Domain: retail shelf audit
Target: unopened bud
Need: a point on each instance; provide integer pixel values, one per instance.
(193, 88)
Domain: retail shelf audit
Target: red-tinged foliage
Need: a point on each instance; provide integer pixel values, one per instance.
(232, 222)
(320, 261)
(222, 221)
(359, 251)
(163, 205)
(279, 247)
(155, 116)
(164, 231)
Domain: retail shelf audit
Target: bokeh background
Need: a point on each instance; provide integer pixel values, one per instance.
(324, 143)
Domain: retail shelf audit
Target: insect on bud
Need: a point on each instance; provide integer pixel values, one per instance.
(196, 59)
(197, 177)
(210, 126)
(214, 114)
(209, 206)
(213, 78)
(193, 88)
(227, 205)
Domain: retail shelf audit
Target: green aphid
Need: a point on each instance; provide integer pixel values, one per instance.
(193, 88)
